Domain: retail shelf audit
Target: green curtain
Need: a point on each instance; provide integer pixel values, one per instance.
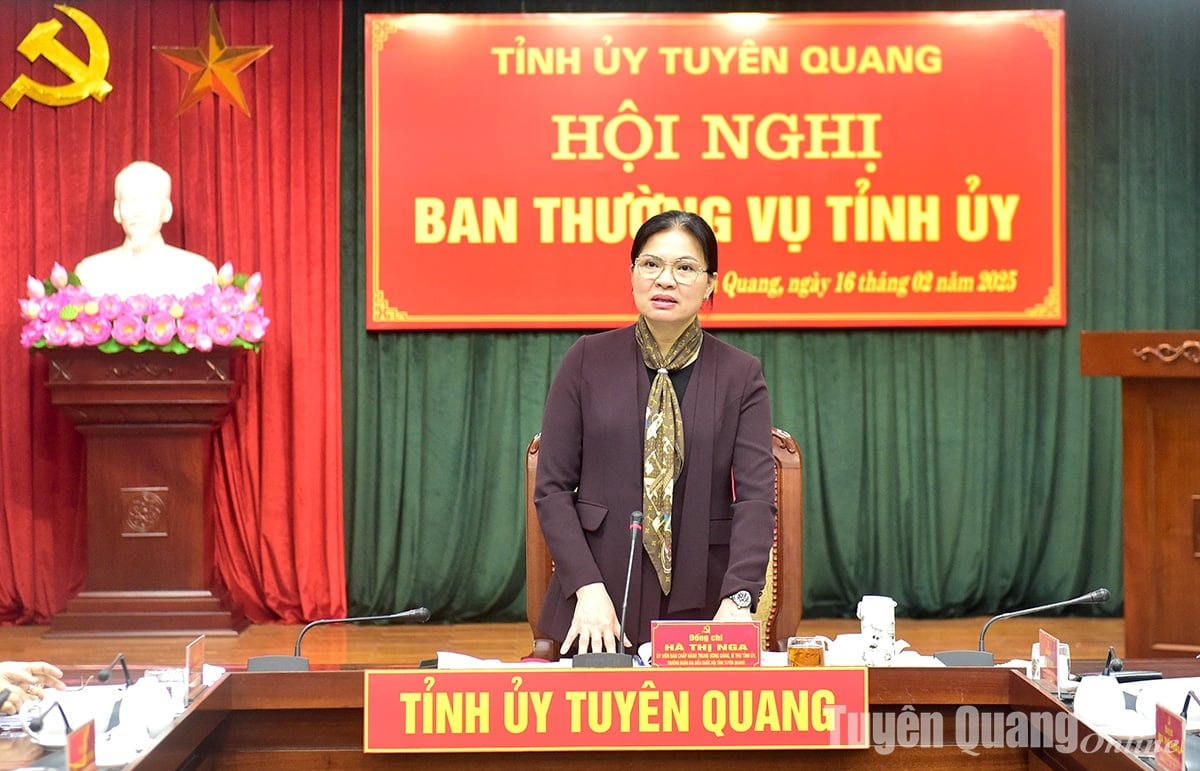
(960, 471)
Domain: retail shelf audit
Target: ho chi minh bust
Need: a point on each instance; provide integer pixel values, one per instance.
(144, 263)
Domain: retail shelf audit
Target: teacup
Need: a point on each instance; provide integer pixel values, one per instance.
(147, 706)
(1171, 694)
(850, 650)
(846, 650)
(1099, 699)
(807, 651)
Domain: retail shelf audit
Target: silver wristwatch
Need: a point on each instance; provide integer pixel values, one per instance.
(742, 599)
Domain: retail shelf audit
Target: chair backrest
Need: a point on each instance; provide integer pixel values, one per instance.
(780, 603)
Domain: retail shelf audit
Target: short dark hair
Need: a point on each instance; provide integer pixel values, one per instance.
(688, 222)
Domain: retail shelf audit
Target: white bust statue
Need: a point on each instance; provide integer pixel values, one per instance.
(144, 264)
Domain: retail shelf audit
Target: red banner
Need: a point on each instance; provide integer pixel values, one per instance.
(890, 169)
(615, 709)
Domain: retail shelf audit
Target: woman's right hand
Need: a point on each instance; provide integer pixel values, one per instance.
(595, 622)
(27, 680)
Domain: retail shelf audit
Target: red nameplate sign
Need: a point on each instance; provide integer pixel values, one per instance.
(853, 170)
(706, 643)
(1048, 650)
(81, 747)
(1169, 744)
(607, 709)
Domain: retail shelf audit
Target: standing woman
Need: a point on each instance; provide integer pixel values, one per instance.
(663, 418)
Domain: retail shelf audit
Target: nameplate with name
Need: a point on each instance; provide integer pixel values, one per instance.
(81, 747)
(1048, 650)
(1170, 744)
(706, 643)
(643, 708)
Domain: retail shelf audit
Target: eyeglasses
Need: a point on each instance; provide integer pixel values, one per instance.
(685, 271)
(83, 684)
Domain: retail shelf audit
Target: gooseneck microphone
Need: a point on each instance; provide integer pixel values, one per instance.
(1187, 700)
(105, 674)
(1091, 598)
(298, 663)
(598, 659)
(635, 531)
(38, 721)
(981, 657)
(1112, 663)
(420, 615)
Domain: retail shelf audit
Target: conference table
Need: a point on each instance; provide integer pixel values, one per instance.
(265, 720)
(315, 720)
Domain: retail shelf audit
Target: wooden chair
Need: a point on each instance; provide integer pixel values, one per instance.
(779, 606)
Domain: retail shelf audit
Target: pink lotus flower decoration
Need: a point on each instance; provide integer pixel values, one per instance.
(160, 328)
(37, 290)
(58, 276)
(223, 329)
(95, 330)
(128, 329)
(59, 312)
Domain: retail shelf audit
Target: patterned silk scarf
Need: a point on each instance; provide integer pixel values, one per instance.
(663, 442)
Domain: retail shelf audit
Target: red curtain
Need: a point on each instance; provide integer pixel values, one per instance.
(259, 191)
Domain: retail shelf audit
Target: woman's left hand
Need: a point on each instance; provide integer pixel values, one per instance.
(728, 611)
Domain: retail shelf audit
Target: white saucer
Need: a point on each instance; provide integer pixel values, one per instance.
(49, 742)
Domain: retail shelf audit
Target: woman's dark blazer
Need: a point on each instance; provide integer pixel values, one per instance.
(589, 481)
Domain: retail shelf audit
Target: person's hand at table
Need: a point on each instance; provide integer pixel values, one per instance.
(595, 622)
(27, 680)
(19, 749)
(8, 705)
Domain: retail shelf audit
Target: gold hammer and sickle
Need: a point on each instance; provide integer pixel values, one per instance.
(86, 79)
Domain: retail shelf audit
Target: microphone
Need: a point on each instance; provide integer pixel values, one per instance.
(635, 529)
(1091, 598)
(621, 659)
(38, 721)
(416, 614)
(1112, 663)
(1114, 666)
(298, 663)
(104, 674)
(981, 657)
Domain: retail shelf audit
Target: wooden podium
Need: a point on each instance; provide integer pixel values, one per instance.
(1160, 426)
(286, 720)
(147, 420)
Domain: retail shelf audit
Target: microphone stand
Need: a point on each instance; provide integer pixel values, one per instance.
(38, 722)
(105, 674)
(982, 658)
(621, 660)
(418, 614)
(298, 663)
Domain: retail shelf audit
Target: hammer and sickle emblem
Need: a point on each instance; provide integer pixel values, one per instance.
(86, 79)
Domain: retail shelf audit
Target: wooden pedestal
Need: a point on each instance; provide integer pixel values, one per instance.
(287, 720)
(147, 419)
(1160, 428)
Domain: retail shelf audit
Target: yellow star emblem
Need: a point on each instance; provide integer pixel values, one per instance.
(213, 70)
